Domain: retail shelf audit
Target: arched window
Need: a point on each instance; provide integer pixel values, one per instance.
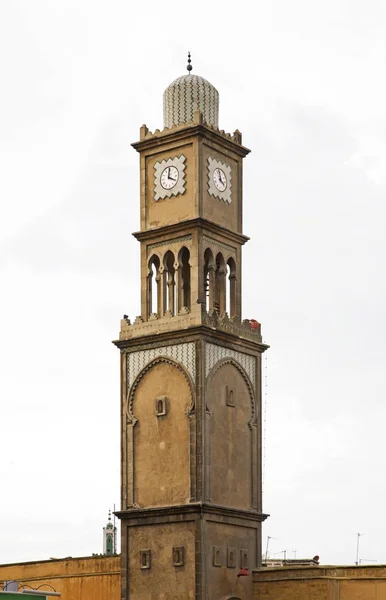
(227, 293)
(184, 291)
(220, 291)
(231, 288)
(169, 283)
(209, 270)
(153, 288)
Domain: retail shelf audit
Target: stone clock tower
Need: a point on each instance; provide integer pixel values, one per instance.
(191, 508)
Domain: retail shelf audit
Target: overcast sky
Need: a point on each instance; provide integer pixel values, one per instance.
(305, 83)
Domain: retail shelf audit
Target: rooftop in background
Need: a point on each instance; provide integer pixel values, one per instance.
(290, 562)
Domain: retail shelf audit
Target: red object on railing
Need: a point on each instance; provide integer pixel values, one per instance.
(243, 572)
(254, 324)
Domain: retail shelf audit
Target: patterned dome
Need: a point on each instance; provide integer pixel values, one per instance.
(186, 95)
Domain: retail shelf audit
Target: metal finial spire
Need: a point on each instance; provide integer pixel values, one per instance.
(189, 67)
(109, 515)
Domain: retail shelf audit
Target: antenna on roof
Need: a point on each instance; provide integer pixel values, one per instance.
(358, 536)
(366, 560)
(269, 537)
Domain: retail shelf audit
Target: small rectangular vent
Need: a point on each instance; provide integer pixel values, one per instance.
(178, 556)
(244, 559)
(161, 406)
(231, 558)
(217, 556)
(230, 396)
(145, 559)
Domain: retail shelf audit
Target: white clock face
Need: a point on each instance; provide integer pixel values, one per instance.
(169, 177)
(219, 179)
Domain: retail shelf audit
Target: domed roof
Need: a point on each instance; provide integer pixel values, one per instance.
(187, 94)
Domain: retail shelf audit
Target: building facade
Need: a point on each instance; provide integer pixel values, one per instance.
(87, 578)
(191, 508)
(98, 578)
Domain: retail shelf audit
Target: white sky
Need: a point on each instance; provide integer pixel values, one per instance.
(304, 81)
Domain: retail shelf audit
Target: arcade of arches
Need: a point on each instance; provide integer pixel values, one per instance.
(169, 288)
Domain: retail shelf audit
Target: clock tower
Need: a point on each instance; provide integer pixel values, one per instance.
(191, 508)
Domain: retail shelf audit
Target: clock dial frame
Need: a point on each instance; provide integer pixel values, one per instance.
(169, 177)
(219, 180)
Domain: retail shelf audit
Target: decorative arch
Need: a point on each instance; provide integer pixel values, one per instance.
(252, 426)
(244, 374)
(209, 278)
(220, 284)
(231, 287)
(169, 296)
(153, 287)
(131, 420)
(184, 287)
(165, 359)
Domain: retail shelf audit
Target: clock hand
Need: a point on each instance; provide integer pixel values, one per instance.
(171, 178)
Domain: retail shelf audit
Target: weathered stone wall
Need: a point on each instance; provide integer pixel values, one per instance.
(229, 540)
(91, 578)
(98, 578)
(230, 439)
(320, 583)
(163, 580)
(161, 444)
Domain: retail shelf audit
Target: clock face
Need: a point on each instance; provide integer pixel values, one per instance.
(219, 179)
(169, 177)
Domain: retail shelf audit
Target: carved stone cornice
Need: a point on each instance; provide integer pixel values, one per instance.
(191, 225)
(151, 140)
(156, 339)
(184, 512)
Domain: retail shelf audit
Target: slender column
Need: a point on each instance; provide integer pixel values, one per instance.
(157, 309)
(170, 291)
(232, 292)
(161, 293)
(186, 290)
(222, 290)
(212, 286)
(130, 464)
(178, 282)
(149, 292)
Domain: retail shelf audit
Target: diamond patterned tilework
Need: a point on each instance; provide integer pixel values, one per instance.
(216, 353)
(182, 238)
(186, 95)
(182, 353)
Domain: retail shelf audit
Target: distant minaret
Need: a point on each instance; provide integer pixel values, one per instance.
(109, 538)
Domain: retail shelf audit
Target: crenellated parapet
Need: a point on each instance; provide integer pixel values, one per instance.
(146, 134)
(249, 329)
